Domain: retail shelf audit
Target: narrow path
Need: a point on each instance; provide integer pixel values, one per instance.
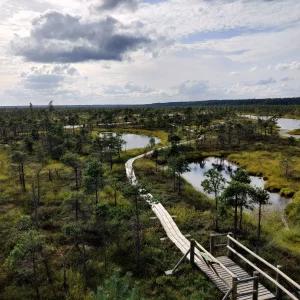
(172, 231)
(221, 278)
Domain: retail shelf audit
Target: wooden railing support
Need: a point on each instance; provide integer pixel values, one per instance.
(192, 252)
(278, 279)
(255, 285)
(230, 244)
(172, 271)
(234, 288)
(212, 245)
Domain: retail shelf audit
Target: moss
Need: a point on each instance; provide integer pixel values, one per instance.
(293, 209)
(267, 164)
(287, 192)
(294, 132)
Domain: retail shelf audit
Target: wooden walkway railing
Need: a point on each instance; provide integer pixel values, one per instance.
(228, 277)
(281, 279)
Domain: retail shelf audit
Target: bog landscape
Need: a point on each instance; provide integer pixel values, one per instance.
(149, 149)
(102, 203)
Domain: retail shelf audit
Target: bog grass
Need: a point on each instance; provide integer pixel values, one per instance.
(4, 166)
(294, 132)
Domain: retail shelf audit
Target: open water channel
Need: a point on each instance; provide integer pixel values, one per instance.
(197, 175)
(133, 141)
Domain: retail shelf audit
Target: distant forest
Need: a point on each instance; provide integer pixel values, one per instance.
(239, 102)
(268, 101)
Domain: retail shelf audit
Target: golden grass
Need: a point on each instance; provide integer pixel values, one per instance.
(4, 165)
(267, 164)
(295, 131)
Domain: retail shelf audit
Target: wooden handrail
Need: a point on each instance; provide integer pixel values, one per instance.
(263, 273)
(291, 281)
(214, 259)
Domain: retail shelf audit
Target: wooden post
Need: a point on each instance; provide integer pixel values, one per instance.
(192, 253)
(255, 285)
(278, 290)
(212, 245)
(234, 288)
(229, 243)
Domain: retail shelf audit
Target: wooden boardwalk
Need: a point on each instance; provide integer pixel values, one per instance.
(224, 280)
(220, 276)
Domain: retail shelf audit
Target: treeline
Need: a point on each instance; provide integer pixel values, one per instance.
(236, 102)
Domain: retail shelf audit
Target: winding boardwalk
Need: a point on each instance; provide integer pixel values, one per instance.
(221, 278)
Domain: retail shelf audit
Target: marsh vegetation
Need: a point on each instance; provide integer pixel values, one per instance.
(72, 227)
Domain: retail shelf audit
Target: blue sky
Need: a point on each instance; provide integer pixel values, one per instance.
(93, 52)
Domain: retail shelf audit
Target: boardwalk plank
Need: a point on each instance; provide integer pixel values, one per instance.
(223, 280)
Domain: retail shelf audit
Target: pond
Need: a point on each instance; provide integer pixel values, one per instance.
(196, 176)
(284, 124)
(133, 141)
(71, 126)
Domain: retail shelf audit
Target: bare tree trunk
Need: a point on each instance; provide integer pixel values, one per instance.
(49, 175)
(76, 178)
(96, 192)
(179, 185)
(258, 229)
(35, 205)
(76, 209)
(216, 212)
(36, 285)
(235, 218)
(174, 182)
(241, 218)
(38, 187)
(23, 177)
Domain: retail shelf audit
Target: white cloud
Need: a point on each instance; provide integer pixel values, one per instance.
(286, 66)
(127, 89)
(252, 47)
(182, 18)
(214, 43)
(233, 73)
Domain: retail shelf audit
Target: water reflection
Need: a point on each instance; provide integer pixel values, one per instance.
(133, 141)
(285, 125)
(196, 176)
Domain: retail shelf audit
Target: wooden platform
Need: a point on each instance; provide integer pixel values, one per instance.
(223, 281)
(263, 293)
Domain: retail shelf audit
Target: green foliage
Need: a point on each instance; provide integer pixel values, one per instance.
(84, 249)
(287, 192)
(214, 183)
(93, 177)
(151, 141)
(71, 160)
(241, 175)
(117, 288)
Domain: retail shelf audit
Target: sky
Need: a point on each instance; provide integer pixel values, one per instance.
(144, 51)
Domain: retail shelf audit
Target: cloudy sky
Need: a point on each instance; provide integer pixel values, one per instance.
(144, 51)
